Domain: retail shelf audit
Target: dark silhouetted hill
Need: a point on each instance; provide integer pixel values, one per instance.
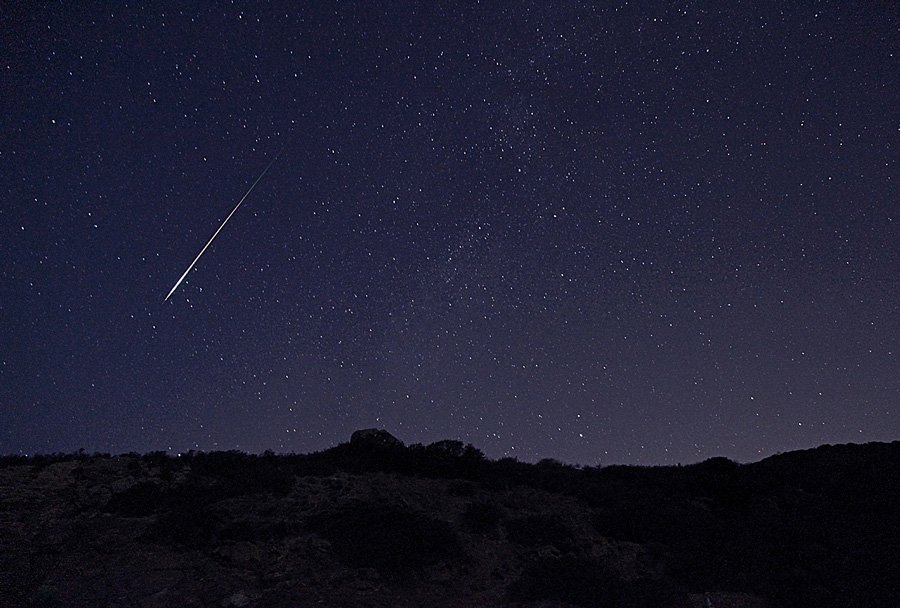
(373, 522)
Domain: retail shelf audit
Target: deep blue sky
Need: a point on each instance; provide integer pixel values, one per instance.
(590, 231)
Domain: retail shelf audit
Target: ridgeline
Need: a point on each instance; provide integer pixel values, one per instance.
(373, 522)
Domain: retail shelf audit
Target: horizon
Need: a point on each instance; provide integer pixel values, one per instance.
(83, 453)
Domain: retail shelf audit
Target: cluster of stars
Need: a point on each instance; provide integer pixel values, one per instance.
(594, 233)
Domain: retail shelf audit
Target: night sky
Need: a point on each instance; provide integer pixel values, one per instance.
(597, 232)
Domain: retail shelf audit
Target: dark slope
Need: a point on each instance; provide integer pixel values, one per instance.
(376, 523)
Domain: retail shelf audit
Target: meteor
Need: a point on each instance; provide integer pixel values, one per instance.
(216, 233)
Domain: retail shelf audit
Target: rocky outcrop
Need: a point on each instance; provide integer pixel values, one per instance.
(374, 523)
(378, 438)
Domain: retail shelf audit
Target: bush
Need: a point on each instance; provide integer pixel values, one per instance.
(447, 448)
(586, 582)
(391, 540)
(140, 500)
(538, 530)
(187, 518)
(572, 580)
(463, 489)
(482, 517)
(257, 531)
(241, 474)
(13, 460)
(192, 525)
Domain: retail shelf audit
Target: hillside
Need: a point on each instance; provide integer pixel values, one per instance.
(372, 522)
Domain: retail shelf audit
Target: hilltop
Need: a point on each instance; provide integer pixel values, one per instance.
(373, 522)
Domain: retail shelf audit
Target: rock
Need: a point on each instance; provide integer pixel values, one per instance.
(87, 496)
(240, 552)
(46, 595)
(374, 438)
(237, 600)
(721, 599)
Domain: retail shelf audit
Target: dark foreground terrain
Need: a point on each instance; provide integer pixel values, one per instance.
(375, 523)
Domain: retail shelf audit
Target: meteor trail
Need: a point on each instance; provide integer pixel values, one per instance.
(216, 233)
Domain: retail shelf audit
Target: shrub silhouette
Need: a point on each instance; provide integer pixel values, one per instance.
(142, 499)
(389, 539)
(568, 579)
(538, 530)
(588, 583)
(653, 593)
(14, 460)
(447, 459)
(187, 517)
(192, 525)
(240, 474)
(256, 531)
(447, 448)
(464, 489)
(482, 517)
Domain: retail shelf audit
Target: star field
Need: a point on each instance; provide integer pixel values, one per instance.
(599, 233)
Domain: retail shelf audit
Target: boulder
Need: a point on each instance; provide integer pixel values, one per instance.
(374, 438)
